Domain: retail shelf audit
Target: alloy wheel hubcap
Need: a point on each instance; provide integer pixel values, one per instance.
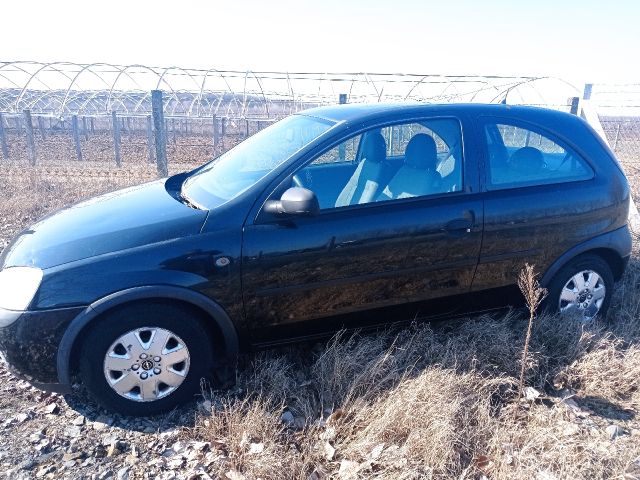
(146, 364)
(583, 294)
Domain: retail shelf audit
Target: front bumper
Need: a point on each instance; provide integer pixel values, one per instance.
(29, 344)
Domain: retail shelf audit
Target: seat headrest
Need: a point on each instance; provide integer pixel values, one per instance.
(527, 160)
(421, 152)
(374, 148)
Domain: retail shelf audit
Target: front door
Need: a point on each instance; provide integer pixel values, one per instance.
(384, 252)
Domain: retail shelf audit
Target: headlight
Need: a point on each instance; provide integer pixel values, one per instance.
(18, 286)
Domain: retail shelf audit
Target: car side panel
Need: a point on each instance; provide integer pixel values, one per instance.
(299, 271)
(538, 224)
(207, 263)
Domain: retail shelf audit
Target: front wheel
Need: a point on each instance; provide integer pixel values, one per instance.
(583, 288)
(145, 359)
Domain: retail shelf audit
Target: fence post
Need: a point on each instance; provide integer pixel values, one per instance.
(584, 100)
(216, 135)
(159, 124)
(116, 137)
(76, 136)
(92, 125)
(342, 148)
(589, 111)
(150, 145)
(615, 140)
(31, 144)
(3, 140)
(84, 129)
(575, 102)
(41, 128)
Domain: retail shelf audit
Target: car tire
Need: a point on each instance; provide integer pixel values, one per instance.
(578, 294)
(162, 376)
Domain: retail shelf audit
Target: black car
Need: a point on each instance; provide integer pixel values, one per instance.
(337, 217)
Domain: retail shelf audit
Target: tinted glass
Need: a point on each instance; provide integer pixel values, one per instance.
(345, 152)
(247, 163)
(519, 156)
(398, 136)
(374, 166)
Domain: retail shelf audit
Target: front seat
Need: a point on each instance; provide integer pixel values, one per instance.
(418, 175)
(364, 184)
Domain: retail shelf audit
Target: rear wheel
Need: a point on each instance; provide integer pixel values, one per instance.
(583, 288)
(145, 359)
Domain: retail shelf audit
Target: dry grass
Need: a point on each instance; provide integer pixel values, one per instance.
(425, 401)
(428, 402)
(533, 294)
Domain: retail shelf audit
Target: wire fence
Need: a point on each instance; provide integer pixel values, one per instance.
(102, 115)
(618, 107)
(623, 135)
(117, 140)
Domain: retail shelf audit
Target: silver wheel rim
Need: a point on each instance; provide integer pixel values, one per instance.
(583, 295)
(146, 364)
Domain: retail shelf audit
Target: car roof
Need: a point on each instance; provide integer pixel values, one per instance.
(372, 111)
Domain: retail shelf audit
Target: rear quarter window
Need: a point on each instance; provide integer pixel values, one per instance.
(519, 156)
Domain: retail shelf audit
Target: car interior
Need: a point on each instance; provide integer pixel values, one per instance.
(519, 157)
(401, 161)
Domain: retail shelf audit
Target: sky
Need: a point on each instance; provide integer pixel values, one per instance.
(577, 40)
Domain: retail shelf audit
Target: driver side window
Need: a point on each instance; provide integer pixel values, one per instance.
(345, 152)
(399, 161)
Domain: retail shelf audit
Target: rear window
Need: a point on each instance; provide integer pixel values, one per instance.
(520, 156)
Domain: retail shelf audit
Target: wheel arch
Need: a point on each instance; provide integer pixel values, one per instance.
(613, 259)
(220, 326)
(613, 247)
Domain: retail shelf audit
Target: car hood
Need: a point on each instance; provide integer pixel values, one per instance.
(120, 220)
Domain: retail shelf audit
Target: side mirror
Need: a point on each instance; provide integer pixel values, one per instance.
(294, 201)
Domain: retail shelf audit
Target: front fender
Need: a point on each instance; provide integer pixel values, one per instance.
(90, 313)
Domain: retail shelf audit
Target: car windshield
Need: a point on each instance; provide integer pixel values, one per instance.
(246, 164)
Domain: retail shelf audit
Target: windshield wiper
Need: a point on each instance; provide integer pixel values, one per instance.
(190, 203)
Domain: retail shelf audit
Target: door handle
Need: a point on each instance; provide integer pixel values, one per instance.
(459, 226)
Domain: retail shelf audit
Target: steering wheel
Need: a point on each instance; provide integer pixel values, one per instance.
(295, 180)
